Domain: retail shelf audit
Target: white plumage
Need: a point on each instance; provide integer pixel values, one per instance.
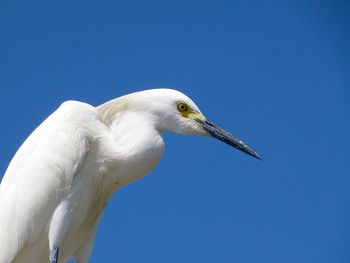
(58, 183)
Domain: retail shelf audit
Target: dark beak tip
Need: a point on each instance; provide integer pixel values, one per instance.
(254, 154)
(259, 157)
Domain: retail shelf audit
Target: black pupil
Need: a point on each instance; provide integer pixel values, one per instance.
(182, 107)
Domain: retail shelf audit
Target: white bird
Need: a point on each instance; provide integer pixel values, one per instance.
(59, 181)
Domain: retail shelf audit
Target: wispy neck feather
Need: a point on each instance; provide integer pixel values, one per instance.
(112, 108)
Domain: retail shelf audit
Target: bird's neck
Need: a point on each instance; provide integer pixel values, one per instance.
(139, 143)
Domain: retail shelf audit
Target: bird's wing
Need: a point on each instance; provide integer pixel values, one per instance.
(40, 174)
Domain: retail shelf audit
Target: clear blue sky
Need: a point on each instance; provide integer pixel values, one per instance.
(275, 73)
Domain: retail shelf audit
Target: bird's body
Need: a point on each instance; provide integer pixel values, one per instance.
(57, 185)
(75, 152)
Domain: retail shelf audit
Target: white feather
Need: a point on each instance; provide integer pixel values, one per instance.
(58, 183)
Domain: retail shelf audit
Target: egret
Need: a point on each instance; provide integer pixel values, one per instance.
(57, 185)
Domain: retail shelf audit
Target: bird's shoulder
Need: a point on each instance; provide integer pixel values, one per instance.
(62, 137)
(72, 110)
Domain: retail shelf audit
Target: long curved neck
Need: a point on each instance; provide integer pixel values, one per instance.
(140, 144)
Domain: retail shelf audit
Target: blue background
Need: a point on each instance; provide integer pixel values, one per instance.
(275, 73)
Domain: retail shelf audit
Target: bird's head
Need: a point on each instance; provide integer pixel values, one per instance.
(171, 110)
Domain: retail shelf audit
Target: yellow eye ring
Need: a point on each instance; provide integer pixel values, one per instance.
(182, 107)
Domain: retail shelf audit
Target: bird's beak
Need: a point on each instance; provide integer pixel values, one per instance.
(216, 132)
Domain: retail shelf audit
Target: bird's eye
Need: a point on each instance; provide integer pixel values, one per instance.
(182, 107)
